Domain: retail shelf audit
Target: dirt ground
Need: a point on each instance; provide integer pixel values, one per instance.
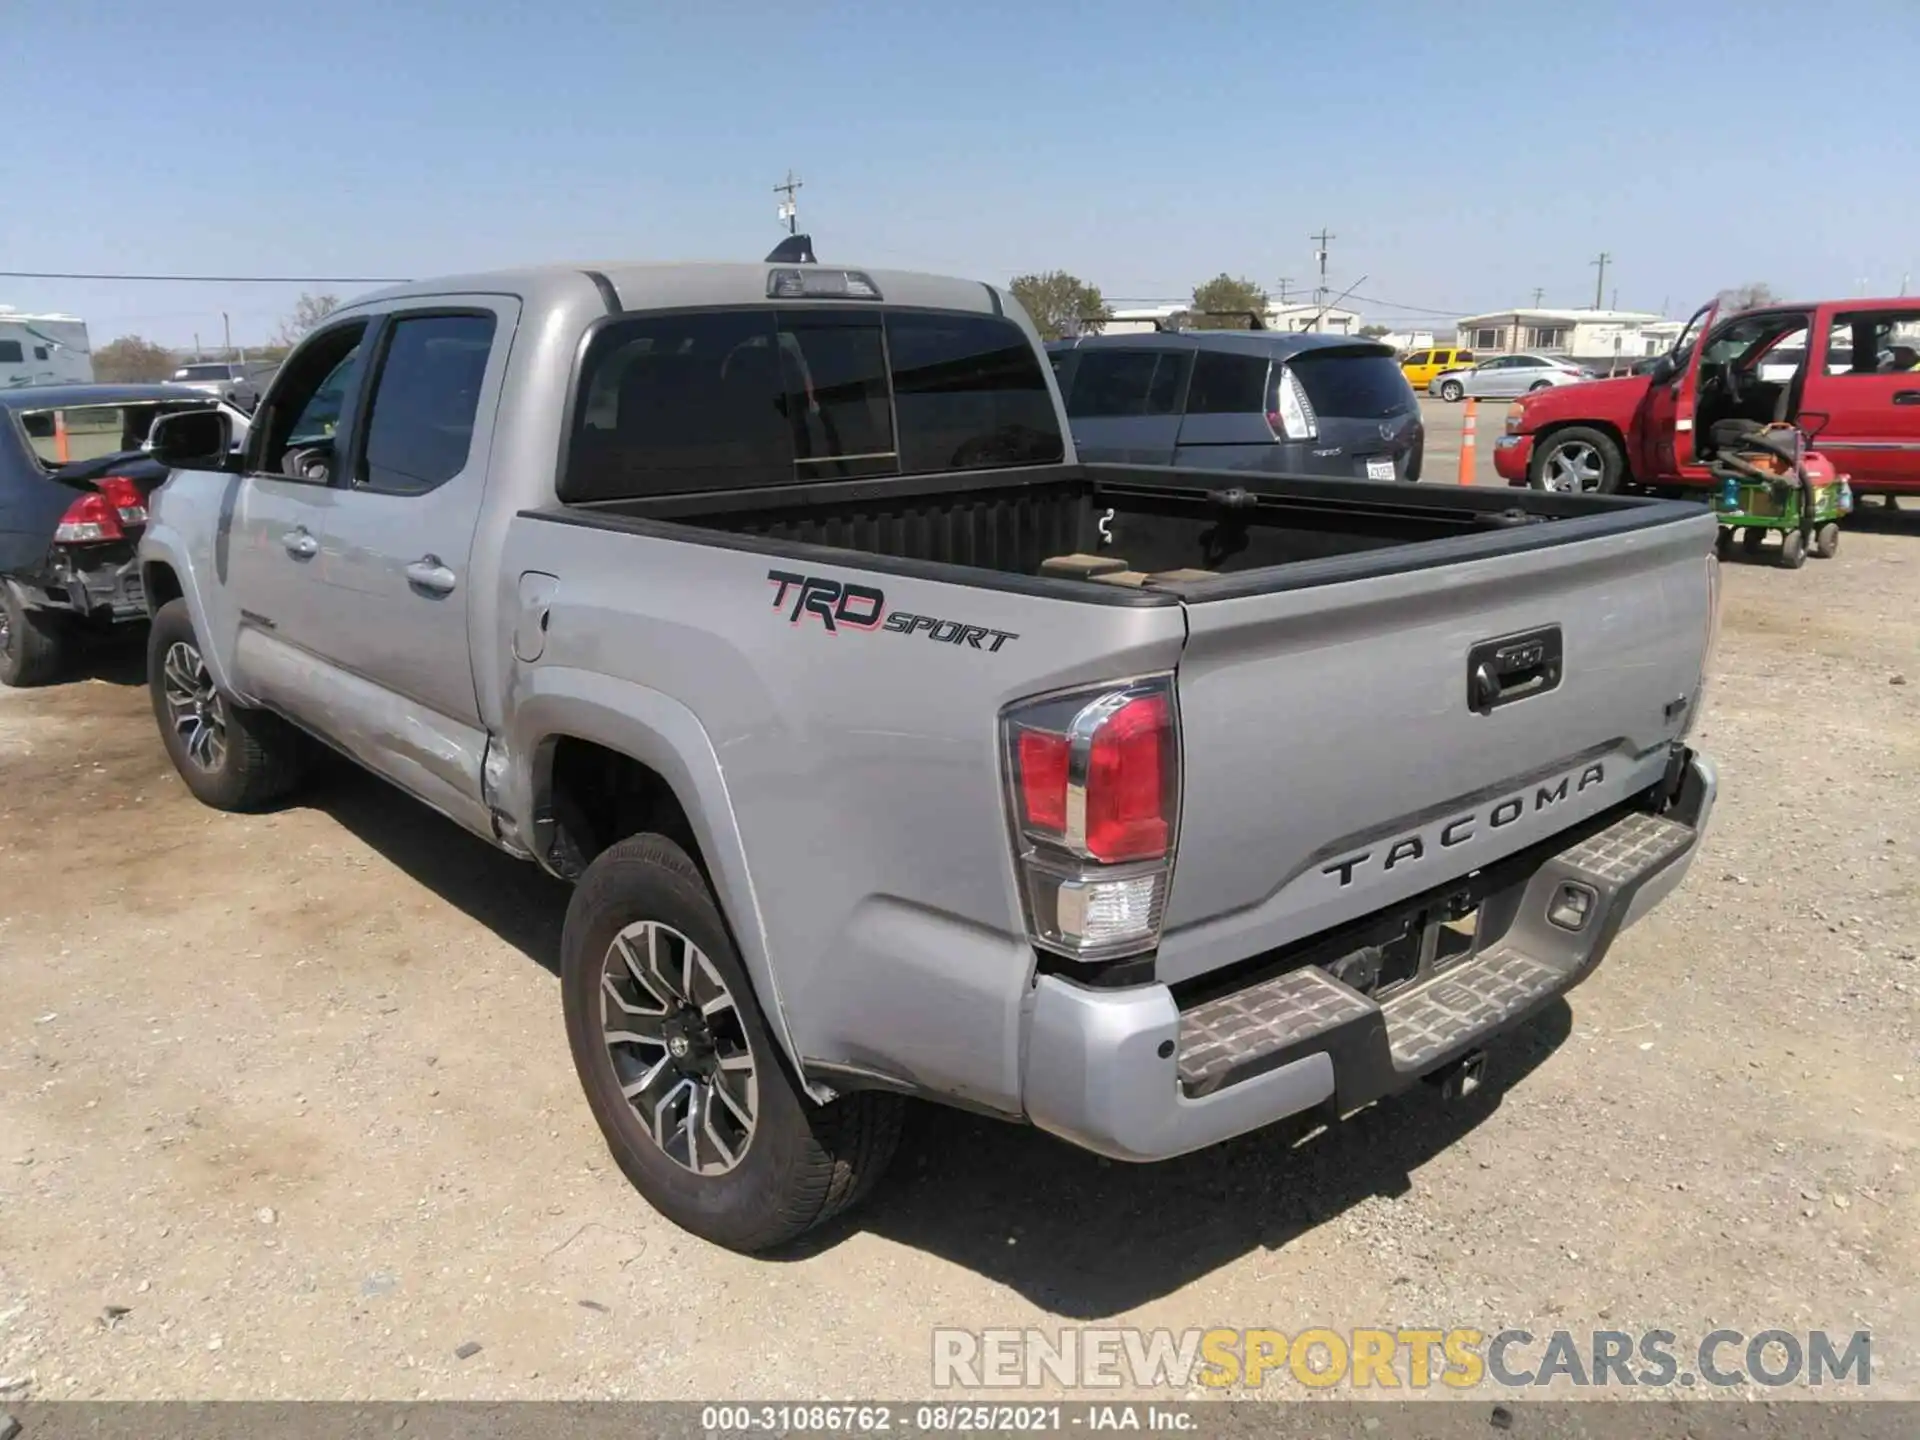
(291, 1095)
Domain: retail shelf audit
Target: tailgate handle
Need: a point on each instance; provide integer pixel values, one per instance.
(1906, 397)
(1513, 667)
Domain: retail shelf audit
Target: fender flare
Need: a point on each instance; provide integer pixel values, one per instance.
(160, 546)
(551, 702)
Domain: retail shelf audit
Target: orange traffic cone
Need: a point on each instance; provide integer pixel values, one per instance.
(1468, 424)
(60, 437)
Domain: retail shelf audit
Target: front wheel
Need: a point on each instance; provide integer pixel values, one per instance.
(682, 1072)
(1578, 461)
(1826, 541)
(1451, 391)
(1793, 550)
(231, 758)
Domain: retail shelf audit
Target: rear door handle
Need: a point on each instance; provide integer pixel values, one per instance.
(428, 574)
(1906, 397)
(300, 545)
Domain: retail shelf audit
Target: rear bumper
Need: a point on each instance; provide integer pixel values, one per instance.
(97, 583)
(1128, 1074)
(1512, 454)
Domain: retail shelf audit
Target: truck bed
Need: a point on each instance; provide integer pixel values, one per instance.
(1175, 533)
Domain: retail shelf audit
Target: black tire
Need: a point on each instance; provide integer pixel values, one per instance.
(1793, 550)
(800, 1163)
(1723, 542)
(32, 643)
(1539, 385)
(260, 759)
(1826, 541)
(1452, 391)
(1752, 537)
(1601, 451)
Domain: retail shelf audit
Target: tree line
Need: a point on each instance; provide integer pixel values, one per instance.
(136, 359)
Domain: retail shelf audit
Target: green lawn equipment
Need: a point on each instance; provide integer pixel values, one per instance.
(1768, 481)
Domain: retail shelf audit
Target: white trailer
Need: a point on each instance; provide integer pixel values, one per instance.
(43, 349)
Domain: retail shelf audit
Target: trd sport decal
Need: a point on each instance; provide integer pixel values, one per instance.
(843, 605)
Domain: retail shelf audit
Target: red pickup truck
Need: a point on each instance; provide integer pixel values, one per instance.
(1847, 372)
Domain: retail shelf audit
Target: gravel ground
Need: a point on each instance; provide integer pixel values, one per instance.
(286, 1109)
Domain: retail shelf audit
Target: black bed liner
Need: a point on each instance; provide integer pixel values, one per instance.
(995, 528)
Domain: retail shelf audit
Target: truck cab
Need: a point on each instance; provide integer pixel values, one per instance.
(1847, 372)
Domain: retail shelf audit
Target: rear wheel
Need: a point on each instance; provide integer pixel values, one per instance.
(231, 758)
(1578, 461)
(1451, 391)
(32, 643)
(1793, 550)
(1826, 541)
(1752, 538)
(1539, 385)
(681, 1071)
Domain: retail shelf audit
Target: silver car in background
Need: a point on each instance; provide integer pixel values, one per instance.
(238, 383)
(1502, 376)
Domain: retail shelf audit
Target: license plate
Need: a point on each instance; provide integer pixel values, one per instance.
(1379, 469)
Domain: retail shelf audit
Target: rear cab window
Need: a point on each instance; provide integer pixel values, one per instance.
(765, 396)
(1228, 384)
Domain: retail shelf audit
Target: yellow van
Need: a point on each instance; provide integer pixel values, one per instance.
(1421, 366)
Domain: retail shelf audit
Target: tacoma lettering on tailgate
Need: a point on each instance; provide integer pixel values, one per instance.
(1446, 834)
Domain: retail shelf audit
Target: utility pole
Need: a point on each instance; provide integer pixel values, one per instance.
(1599, 284)
(790, 207)
(1616, 297)
(226, 328)
(1283, 282)
(196, 344)
(1320, 254)
(1537, 294)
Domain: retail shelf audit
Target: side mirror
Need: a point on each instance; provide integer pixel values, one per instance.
(1662, 370)
(193, 440)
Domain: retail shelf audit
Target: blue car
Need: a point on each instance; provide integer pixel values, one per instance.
(1263, 401)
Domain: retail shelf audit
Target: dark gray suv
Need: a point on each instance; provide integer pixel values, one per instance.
(1273, 401)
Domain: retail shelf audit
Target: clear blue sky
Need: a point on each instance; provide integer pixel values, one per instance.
(1462, 154)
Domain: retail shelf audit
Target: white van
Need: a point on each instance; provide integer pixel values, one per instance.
(43, 350)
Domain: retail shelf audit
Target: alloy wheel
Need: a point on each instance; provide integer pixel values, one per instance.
(195, 707)
(1572, 469)
(679, 1048)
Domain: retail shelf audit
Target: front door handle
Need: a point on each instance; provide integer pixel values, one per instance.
(428, 574)
(300, 545)
(1906, 397)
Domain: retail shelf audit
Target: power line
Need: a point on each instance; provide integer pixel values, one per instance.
(210, 279)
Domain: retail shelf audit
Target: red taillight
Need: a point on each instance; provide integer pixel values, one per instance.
(126, 499)
(1043, 781)
(1127, 773)
(1095, 780)
(91, 517)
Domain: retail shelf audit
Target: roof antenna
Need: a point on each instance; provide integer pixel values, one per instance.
(794, 250)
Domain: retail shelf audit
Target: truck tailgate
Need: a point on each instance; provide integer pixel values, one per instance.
(1340, 754)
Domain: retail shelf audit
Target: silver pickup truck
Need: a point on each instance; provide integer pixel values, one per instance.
(893, 752)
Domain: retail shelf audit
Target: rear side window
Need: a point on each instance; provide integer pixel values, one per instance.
(1113, 383)
(1227, 384)
(970, 394)
(424, 402)
(1463, 357)
(1419, 357)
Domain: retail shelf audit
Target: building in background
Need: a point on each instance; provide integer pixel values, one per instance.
(1603, 339)
(1142, 319)
(43, 349)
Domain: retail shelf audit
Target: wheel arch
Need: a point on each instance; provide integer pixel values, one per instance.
(165, 575)
(624, 759)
